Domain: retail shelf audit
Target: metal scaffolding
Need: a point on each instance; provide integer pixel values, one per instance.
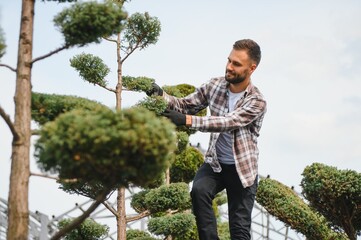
(42, 227)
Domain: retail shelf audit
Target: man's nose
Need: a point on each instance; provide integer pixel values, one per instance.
(229, 67)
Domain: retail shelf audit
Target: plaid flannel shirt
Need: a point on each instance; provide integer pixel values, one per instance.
(244, 122)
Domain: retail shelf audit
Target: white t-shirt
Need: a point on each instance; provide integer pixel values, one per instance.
(224, 145)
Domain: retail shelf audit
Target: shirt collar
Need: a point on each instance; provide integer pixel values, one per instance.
(248, 89)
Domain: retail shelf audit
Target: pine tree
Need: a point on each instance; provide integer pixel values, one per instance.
(333, 198)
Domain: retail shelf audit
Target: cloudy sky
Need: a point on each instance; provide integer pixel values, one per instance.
(310, 74)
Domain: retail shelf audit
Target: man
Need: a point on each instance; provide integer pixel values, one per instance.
(237, 109)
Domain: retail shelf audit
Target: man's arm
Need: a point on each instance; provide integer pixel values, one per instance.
(179, 119)
(242, 116)
(155, 90)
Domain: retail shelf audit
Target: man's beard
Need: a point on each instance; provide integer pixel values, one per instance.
(235, 78)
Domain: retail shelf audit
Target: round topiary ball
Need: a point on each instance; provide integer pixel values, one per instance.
(114, 148)
(186, 165)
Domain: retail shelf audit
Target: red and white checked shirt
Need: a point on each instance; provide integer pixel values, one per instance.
(244, 122)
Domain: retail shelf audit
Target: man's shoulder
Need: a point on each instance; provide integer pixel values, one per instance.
(216, 81)
(254, 91)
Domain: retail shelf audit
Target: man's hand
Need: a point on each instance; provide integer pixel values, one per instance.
(179, 119)
(155, 90)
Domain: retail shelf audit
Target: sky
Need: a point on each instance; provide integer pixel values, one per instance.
(309, 74)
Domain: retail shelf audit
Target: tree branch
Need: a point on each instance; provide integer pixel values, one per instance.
(110, 208)
(126, 89)
(76, 222)
(107, 88)
(129, 53)
(132, 49)
(10, 124)
(110, 40)
(49, 54)
(139, 216)
(54, 178)
(43, 175)
(35, 132)
(7, 66)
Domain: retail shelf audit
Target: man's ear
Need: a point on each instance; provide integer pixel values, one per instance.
(253, 67)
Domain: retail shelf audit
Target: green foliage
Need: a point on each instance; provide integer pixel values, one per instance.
(141, 30)
(155, 104)
(46, 107)
(174, 196)
(180, 90)
(133, 234)
(191, 234)
(88, 22)
(2, 43)
(89, 230)
(120, 2)
(336, 194)
(223, 231)
(220, 199)
(91, 68)
(87, 188)
(176, 225)
(183, 141)
(138, 201)
(157, 182)
(186, 165)
(183, 90)
(286, 205)
(173, 91)
(137, 83)
(113, 148)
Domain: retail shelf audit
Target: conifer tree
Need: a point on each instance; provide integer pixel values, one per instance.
(332, 210)
(107, 20)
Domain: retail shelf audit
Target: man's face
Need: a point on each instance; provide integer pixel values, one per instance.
(239, 67)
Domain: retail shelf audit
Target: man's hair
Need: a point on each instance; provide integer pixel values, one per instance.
(253, 50)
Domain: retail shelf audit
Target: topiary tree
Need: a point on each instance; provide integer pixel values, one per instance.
(89, 230)
(46, 107)
(336, 194)
(134, 234)
(172, 225)
(167, 205)
(92, 69)
(282, 202)
(333, 195)
(106, 19)
(106, 147)
(186, 164)
(139, 31)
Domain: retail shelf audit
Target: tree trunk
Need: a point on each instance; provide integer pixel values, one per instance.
(121, 211)
(18, 215)
(167, 176)
(121, 219)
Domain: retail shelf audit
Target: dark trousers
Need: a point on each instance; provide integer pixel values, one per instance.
(206, 185)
